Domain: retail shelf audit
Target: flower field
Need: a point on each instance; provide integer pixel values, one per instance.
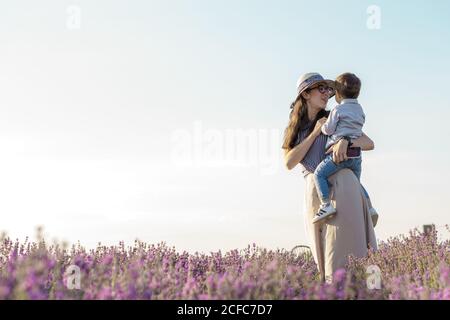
(416, 266)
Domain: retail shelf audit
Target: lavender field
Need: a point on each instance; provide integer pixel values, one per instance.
(412, 267)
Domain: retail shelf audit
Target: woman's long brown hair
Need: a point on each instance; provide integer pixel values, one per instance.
(298, 118)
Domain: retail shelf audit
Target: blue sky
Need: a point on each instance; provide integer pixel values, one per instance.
(89, 117)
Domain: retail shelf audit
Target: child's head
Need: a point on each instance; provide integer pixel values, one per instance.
(348, 86)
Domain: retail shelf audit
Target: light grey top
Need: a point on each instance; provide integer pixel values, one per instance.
(346, 119)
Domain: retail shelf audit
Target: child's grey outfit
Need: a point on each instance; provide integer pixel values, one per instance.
(346, 119)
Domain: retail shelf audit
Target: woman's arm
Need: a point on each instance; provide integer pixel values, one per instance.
(364, 142)
(295, 155)
(339, 149)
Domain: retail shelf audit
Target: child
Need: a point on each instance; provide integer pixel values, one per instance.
(344, 122)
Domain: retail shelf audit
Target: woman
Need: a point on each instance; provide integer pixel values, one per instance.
(351, 231)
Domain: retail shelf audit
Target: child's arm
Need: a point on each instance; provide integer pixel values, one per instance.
(329, 127)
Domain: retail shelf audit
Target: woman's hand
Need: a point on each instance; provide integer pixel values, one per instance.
(317, 129)
(339, 150)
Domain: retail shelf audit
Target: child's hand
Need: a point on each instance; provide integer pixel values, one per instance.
(319, 125)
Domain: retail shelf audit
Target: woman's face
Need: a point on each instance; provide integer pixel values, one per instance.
(318, 96)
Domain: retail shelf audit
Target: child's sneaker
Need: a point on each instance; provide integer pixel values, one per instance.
(374, 215)
(326, 211)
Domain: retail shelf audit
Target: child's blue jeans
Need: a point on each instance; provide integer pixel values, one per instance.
(327, 167)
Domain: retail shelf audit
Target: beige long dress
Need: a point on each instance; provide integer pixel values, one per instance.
(350, 232)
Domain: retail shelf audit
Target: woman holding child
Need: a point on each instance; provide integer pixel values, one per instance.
(340, 222)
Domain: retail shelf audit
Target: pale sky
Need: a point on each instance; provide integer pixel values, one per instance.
(121, 119)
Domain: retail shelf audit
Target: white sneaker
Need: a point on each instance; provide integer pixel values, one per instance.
(374, 215)
(325, 212)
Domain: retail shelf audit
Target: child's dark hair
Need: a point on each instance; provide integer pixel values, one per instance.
(348, 85)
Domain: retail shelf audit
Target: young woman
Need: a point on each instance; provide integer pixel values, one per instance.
(351, 231)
